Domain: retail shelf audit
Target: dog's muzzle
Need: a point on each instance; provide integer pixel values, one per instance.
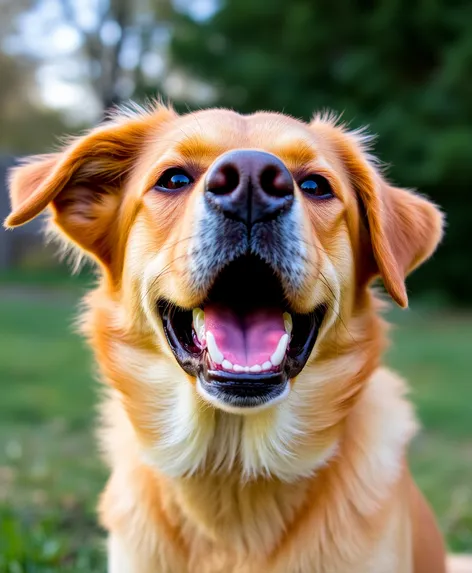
(244, 342)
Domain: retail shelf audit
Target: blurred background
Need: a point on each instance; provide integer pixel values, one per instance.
(403, 68)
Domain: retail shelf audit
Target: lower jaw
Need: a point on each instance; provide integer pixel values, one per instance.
(243, 395)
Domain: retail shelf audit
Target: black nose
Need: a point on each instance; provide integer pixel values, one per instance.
(249, 186)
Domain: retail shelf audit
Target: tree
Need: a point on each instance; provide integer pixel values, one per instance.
(400, 67)
(116, 44)
(27, 126)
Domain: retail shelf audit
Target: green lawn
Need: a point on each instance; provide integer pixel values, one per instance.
(50, 475)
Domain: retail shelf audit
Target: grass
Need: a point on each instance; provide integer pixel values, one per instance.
(50, 475)
(53, 276)
(435, 354)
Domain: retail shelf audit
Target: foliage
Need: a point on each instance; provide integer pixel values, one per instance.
(402, 68)
(26, 126)
(116, 54)
(47, 543)
(115, 47)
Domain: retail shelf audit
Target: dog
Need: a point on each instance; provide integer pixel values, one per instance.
(247, 419)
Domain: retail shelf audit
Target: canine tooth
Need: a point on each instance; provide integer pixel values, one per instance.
(255, 368)
(199, 323)
(227, 364)
(267, 365)
(288, 323)
(213, 350)
(238, 368)
(198, 315)
(279, 353)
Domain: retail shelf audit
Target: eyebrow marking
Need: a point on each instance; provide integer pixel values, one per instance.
(296, 153)
(195, 148)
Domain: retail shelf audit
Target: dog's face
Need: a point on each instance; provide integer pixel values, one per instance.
(239, 251)
(236, 254)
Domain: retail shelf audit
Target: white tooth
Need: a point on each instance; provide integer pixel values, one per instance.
(227, 364)
(246, 369)
(198, 315)
(279, 353)
(238, 368)
(199, 323)
(213, 350)
(255, 368)
(267, 365)
(288, 323)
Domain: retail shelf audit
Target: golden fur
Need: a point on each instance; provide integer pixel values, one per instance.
(316, 484)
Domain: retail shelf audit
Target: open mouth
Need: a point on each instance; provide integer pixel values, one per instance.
(243, 343)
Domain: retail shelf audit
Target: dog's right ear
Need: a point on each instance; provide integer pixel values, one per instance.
(83, 184)
(24, 180)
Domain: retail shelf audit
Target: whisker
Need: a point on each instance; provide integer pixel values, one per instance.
(315, 246)
(324, 280)
(168, 265)
(166, 270)
(176, 243)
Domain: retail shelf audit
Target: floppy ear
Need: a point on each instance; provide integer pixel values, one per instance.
(404, 228)
(83, 184)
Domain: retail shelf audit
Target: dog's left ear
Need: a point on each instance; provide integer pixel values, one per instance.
(404, 228)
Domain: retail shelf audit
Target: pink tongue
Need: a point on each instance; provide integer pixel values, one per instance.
(245, 339)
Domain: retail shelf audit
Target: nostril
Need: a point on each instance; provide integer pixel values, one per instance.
(224, 180)
(276, 182)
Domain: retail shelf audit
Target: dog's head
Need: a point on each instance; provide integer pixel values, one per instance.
(234, 316)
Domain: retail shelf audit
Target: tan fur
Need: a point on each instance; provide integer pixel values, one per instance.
(315, 484)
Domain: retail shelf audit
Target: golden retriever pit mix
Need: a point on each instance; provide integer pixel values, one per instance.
(248, 422)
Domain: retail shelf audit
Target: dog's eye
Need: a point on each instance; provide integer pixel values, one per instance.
(173, 179)
(316, 186)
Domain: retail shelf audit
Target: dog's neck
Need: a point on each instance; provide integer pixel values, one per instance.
(253, 518)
